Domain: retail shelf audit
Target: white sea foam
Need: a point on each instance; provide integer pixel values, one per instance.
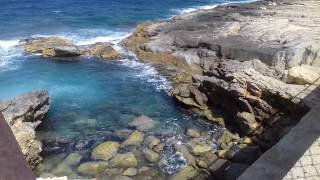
(7, 44)
(148, 73)
(8, 53)
(206, 7)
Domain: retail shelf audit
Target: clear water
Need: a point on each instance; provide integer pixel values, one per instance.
(91, 98)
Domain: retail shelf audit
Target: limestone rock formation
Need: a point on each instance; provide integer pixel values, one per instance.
(251, 60)
(23, 114)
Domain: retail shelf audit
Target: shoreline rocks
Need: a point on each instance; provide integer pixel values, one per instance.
(62, 49)
(23, 114)
(237, 62)
(256, 63)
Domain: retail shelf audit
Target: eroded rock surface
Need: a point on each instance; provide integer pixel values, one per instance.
(23, 114)
(251, 60)
(257, 62)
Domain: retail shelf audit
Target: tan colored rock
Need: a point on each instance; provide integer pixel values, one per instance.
(105, 151)
(124, 160)
(36, 45)
(134, 139)
(199, 149)
(92, 168)
(304, 74)
(103, 50)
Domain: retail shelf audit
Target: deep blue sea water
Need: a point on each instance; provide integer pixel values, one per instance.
(90, 98)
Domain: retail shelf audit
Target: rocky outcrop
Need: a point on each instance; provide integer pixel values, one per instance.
(250, 60)
(62, 49)
(23, 114)
(257, 63)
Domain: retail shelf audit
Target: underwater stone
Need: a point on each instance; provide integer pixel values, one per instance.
(91, 168)
(105, 151)
(134, 139)
(124, 160)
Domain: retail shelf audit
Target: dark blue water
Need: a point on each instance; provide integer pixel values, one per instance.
(20, 18)
(90, 98)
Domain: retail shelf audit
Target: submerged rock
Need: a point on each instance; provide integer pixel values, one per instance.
(150, 155)
(152, 141)
(199, 149)
(122, 133)
(134, 139)
(193, 133)
(124, 160)
(142, 123)
(130, 172)
(188, 172)
(72, 159)
(105, 151)
(23, 114)
(92, 168)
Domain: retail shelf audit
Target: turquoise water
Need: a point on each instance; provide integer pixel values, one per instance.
(91, 98)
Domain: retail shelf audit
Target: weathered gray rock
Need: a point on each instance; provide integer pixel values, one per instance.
(23, 114)
(242, 57)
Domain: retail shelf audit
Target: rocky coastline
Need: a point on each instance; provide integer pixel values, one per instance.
(258, 63)
(253, 69)
(24, 114)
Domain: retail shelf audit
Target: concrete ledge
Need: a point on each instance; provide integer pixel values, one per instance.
(277, 161)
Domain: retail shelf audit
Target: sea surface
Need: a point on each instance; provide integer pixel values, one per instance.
(91, 98)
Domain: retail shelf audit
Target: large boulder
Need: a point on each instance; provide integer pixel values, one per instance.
(23, 114)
